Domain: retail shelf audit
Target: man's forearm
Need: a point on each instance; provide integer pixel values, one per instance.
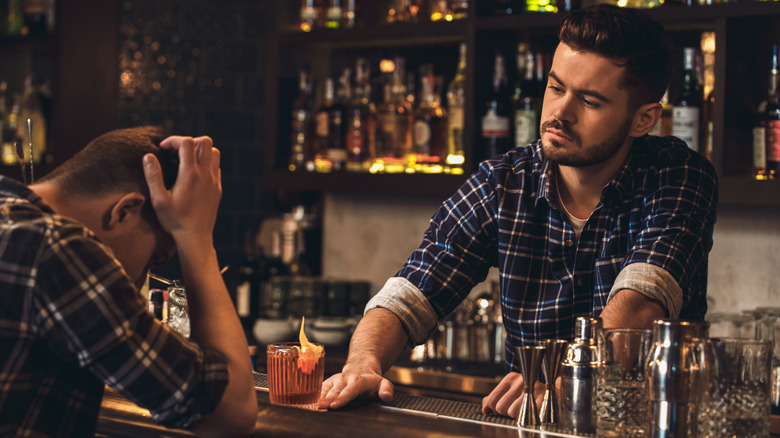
(630, 309)
(377, 342)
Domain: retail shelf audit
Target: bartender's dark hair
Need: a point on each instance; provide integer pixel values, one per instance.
(629, 38)
(113, 162)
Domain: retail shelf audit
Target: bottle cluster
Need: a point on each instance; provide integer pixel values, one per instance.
(766, 133)
(16, 135)
(401, 127)
(342, 14)
(26, 17)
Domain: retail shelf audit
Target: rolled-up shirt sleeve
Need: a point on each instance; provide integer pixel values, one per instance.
(406, 302)
(652, 282)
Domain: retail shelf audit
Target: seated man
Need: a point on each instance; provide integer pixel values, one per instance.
(595, 218)
(75, 247)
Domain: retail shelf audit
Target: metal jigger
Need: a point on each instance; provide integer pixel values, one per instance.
(551, 365)
(530, 358)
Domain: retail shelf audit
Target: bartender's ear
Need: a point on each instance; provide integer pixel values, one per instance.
(645, 118)
(125, 213)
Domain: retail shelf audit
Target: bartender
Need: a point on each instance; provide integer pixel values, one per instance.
(75, 247)
(595, 218)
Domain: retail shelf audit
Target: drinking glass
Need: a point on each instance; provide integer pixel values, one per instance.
(621, 390)
(735, 388)
(290, 382)
(178, 312)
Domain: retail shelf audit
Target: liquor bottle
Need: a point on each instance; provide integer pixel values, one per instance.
(404, 11)
(686, 113)
(394, 124)
(35, 15)
(11, 18)
(438, 10)
(772, 120)
(349, 14)
(759, 144)
(9, 132)
(292, 247)
(333, 15)
(495, 122)
(30, 109)
(525, 99)
(324, 137)
(300, 136)
(456, 104)
(311, 14)
(272, 299)
(663, 127)
(249, 284)
(430, 127)
(360, 122)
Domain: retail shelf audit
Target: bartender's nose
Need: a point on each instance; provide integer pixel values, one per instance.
(564, 108)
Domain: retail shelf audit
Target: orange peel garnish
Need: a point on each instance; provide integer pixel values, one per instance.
(308, 354)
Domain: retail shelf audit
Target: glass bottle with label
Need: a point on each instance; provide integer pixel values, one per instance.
(525, 99)
(429, 144)
(394, 123)
(772, 120)
(456, 103)
(326, 121)
(360, 122)
(759, 144)
(495, 122)
(300, 135)
(686, 113)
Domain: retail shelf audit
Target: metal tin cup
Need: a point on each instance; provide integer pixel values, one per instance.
(672, 373)
(621, 390)
(577, 400)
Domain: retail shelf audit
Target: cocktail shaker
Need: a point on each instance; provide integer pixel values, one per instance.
(672, 378)
(578, 378)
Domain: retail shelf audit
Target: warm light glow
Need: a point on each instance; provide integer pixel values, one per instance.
(387, 66)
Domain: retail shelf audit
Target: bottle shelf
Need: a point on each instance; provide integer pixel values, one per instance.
(741, 30)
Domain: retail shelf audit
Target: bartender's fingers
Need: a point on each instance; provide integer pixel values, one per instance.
(340, 389)
(500, 399)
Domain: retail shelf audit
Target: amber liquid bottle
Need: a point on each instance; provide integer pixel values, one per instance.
(772, 121)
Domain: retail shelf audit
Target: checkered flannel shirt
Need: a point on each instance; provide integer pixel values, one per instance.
(71, 321)
(655, 220)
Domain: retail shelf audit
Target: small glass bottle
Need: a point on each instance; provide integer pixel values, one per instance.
(772, 120)
(429, 144)
(495, 122)
(456, 104)
(333, 15)
(686, 113)
(300, 135)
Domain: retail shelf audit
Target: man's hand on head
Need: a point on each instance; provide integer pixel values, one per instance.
(189, 208)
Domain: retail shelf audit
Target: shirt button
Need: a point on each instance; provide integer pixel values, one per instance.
(569, 242)
(579, 282)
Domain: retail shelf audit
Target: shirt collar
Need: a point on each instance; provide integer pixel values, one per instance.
(12, 188)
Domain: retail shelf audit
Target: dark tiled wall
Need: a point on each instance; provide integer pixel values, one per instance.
(196, 68)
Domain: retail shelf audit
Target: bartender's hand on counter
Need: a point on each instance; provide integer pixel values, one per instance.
(341, 388)
(506, 397)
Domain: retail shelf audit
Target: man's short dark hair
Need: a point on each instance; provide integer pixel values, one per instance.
(114, 162)
(629, 38)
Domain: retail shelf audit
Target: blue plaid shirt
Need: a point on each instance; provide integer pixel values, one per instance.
(71, 322)
(659, 210)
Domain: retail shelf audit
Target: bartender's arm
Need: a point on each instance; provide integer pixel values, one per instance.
(630, 309)
(377, 342)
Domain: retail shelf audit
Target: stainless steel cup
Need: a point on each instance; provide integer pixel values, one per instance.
(578, 378)
(672, 378)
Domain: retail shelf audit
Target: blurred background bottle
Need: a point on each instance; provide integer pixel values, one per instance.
(312, 14)
(772, 120)
(495, 122)
(456, 103)
(686, 114)
(31, 109)
(394, 122)
(11, 18)
(429, 133)
(360, 121)
(300, 135)
(526, 100)
(333, 14)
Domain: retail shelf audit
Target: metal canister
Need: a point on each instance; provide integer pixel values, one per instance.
(577, 400)
(671, 374)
